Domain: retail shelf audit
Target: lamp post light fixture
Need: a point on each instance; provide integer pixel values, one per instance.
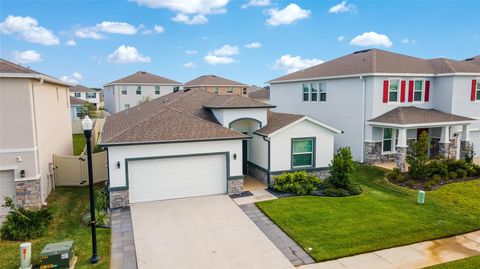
(87, 125)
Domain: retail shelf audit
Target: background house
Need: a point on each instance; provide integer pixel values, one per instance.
(260, 94)
(77, 108)
(362, 93)
(86, 94)
(133, 89)
(218, 85)
(34, 124)
(193, 142)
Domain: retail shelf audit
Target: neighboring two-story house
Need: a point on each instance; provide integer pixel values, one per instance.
(136, 88)
(218, 85)
(86, 94)
(383, 100)
(34, 124)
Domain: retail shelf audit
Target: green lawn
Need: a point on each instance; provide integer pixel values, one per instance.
(78, 144)
(384, 216)
(468, 263)
(67, 205)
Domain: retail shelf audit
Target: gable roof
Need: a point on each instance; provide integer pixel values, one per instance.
(11, 70)
(77, 102)
(142, 77)
(411, 115)
(81, 88)
(174, 117)
(234, 101)
(278, 121)
(213, 80)
(380, 61)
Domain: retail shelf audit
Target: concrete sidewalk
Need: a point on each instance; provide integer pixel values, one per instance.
(417, 255)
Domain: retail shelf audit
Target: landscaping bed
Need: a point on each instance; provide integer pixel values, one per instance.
(383, 216)
(67, 204)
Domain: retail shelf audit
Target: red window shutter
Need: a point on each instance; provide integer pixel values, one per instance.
(402, 91)
(385, 91)
(473, 96)
(410, 91)
(427, 90)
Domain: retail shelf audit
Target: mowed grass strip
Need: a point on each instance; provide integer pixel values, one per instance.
(67, 205)
(384, 216)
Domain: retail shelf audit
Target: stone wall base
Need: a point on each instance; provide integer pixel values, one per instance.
(235, 186)
(118, 198)
(27, 194)
(373, 154)
(257, 172)
(401, 159)
(443, 150)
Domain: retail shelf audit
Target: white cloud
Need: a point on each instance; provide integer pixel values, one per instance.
(256, 3)
(406, 40)
(190, 52)
(340, 38)
(190, 20)
(114, 27)
(288, 15)
(158, 29)
(188, 6)
(253, 45)
(214, 60)
(226, 50)
(190, 65)
(343, 6)
(127, 54)
(88, 33)
(71, 42)
(25, 57)
(74, 78)
(294, 63)
(28, 29)
(371, 39)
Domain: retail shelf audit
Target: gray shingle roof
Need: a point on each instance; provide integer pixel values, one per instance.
(76, 101)
(234, 101)
(381, 61)
(415, 115)
(81, 88)
(143, 77)
(276, 121)
(213, 80)
(9, 67)
(262, 94)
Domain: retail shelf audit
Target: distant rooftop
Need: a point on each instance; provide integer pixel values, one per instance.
(142, 77)
(213, 80)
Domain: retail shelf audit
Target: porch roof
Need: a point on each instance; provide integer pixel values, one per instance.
(418, 117)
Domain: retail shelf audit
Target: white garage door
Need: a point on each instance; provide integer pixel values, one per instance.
(6, 188)
(170, 178)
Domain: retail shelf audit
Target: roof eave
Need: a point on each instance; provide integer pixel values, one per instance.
(416, 125)
(110, 144)
(36, 76)
(143, 83)
(239, 107)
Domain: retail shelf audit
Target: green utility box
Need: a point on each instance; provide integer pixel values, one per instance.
(57, 255)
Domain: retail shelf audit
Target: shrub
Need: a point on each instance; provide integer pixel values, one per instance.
(102, 218)
(417, 157)
(23, 224)
(452, 175)
(342, 169)
(332, 191)
(396, 175)
(471, 172)
(101, 200)
(438, 167)
(454, 165)
(299, 182)
(429, 185)
(469, 153)
(436, 179)
(461, 173)
(411, 183)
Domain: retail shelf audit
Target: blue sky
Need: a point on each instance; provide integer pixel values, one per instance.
(210, 36)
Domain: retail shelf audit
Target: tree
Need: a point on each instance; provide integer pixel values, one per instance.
(342, 169)
(417, 157)
(469, 152)
(144, 99)
(90, 109)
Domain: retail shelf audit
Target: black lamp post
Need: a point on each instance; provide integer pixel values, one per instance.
(87, 125)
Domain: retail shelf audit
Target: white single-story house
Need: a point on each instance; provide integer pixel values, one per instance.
(192, 143)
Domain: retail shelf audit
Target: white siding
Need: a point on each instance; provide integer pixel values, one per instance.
(120, 153)
(226, 116)
(258, 151)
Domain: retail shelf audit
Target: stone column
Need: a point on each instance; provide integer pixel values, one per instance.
(465, 141)
(444, 144)
(402, 146)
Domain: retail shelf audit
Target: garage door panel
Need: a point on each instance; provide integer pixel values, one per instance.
(170, 178)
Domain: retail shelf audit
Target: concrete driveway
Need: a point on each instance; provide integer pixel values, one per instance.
(201, 232)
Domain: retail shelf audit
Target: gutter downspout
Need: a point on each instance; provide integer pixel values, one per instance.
(364, 97)
(268, 161)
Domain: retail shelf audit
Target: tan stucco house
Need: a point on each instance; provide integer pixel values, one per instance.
(34, 124)
(218, 85)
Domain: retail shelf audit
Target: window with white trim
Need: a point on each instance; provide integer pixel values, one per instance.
(124, 90)
(215, 90)
(306, 92)
(91, 95)
(418, 90)
(230, 90)
(157, 90)
(393, 90)
(139, 90)
(127, 106)
(478, 90)
(313, 92)
(390, 140)
(302, 152)
(77, 94)
(323, 91)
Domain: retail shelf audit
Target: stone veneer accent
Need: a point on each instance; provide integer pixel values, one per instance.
(118, 198)
(27, 194)
(443, 150)
(235, 186)
(373, 153)
(401, 158)
(463, 148)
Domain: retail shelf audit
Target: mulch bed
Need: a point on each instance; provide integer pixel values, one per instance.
(420, 184)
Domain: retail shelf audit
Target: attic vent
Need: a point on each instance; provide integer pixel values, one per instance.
(361, 51)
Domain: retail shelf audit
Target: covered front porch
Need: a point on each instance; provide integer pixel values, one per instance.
(398, 128)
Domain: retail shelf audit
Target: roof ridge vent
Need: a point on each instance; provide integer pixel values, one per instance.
(142, 72)
(361, 51)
